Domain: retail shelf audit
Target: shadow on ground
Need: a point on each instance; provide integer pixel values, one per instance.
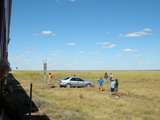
(16, 102)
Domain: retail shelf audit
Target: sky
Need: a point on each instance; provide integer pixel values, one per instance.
(85, 34)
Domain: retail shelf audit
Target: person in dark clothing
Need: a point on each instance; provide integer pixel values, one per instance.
(116, 85)
(105, 75)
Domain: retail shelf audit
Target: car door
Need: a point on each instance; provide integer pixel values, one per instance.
(73, 82)
(80, 82)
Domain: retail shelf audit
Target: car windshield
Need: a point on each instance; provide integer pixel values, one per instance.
(66, 78)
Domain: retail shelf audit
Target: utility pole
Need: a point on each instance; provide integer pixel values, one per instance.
(45, 72)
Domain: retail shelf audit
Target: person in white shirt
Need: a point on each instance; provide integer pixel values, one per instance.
(112, 85)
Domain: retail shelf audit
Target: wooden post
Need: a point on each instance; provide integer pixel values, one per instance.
(30, 103)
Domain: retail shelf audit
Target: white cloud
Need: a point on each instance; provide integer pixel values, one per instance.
(71, 44)
(147, 29)
(109, 45)
(47, 33)
(145, 32)
(136, 34)
(129, 50)
(106, 44)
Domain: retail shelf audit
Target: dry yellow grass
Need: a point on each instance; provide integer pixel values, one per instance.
(140, 102)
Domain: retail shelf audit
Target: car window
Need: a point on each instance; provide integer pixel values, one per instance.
(76, 79)
(73, 79)
(79, 79)
(66, 78)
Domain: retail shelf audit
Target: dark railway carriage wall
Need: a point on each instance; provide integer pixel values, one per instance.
(14, 103)
(5, 12)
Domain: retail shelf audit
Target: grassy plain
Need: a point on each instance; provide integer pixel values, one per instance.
(140, 102)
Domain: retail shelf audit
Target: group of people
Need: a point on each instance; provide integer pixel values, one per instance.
(101, 82)
(113, 83)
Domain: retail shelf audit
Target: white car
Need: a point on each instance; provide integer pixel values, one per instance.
(75, 82)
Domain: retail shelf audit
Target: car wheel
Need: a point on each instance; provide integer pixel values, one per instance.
(88, 85)
(68, 85)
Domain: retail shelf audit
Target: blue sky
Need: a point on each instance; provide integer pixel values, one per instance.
(85, 34)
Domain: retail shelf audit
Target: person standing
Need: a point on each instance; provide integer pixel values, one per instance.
(101, 84)
(110, 76)
(116, 85)
(51, 79)
(105, 75)
(112, 86)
